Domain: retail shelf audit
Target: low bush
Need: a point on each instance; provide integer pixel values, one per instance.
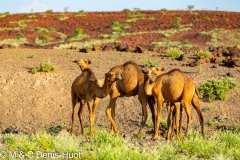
(150, 63)
(203, 53)
(45, 66)
(206, 18)
(216, 89)
(174, 52)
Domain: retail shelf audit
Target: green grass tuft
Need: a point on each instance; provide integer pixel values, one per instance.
(45, 66)
(173, 52)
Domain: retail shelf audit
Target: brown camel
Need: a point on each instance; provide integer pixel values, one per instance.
(86, 89)
(173, 87)
(131, 84)
(172, 108)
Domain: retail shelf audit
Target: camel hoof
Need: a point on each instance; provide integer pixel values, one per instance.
(154, 138)
(84, 134)
(90, 134)
(111, 132)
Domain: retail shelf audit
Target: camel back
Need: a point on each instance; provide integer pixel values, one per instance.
(120, 68)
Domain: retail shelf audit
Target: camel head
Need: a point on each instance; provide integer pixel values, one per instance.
(112, 76)
(153, 70)
(83, 63)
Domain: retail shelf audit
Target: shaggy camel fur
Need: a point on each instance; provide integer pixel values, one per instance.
(86, 89)
(173, 87)
(131, 84)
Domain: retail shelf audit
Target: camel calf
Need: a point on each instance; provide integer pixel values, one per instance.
(86, 89)
(173, 87)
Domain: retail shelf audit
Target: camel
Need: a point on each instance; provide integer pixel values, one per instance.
(86, 89)
(131, 84)
(172, 108)
(173, 87)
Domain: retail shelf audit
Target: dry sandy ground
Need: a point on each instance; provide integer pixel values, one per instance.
(31, 102)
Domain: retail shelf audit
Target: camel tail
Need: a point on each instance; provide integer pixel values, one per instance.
(197, 91)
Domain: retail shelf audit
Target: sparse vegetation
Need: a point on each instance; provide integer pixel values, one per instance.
(173, 52)
(29, 15)
(203, 53)
(79, 31)
(216, 89)
(44, 38)
(20, 35)
(118, 27)
(177, 22)
(49, 11)
(206, 18)
(151, 17)
(81, 13)
(208, 108)
(102, 144)
(45, 66)
(4, 14)
(134, 16)
(150, 63)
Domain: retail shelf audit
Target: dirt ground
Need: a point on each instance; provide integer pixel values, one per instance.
(31, 102)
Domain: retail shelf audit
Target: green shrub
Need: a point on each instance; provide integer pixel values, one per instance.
(21, 24)
(206, 18)
(52, 29)
(79, 31)
(29, 15)
(44, 38)
(45, 66)
(20, 35)
(38, 29)
(176, 25)
(216, 89)
(174, 52)
(126, 10)
(80, 13)
(151, 17)
(150, 63)
(118, 27)
(204, 53)
(49, 11)
(11, 140)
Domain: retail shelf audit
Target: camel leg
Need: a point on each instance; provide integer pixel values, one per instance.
(92, 114)
(158, 117)
(176, 119)
(90, 108)
(113, 116)
(109, 114)
(80, 112)
(143, 100)
(151, 102)
(180, 120)
(74, 102)
(169, 120)
(189, 116)
(196, 105)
